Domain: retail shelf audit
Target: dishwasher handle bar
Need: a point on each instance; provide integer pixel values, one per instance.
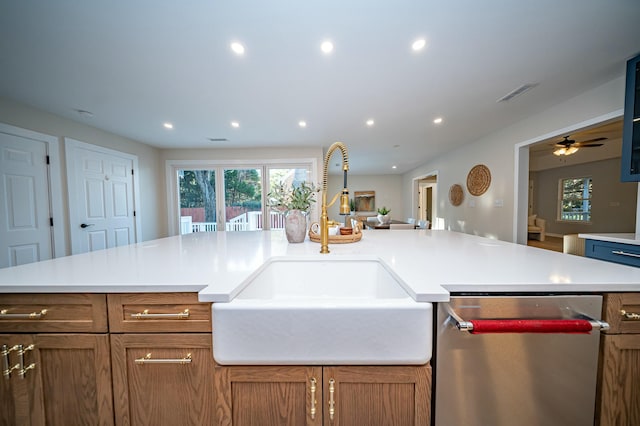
(530, 325)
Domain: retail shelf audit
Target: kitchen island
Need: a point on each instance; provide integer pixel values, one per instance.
(431, 264)
(113, 295)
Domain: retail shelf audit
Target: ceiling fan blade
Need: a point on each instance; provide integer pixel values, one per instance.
(602, 138)
(591, 145)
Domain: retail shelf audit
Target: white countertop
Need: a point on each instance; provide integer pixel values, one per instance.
(431, 264)
(624, 238)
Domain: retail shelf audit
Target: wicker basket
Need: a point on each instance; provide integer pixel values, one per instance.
(338, 239)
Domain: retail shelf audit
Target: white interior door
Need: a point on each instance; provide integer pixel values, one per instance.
(25, 225)
(101, 197)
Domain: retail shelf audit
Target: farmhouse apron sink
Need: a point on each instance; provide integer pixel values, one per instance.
(319, 311)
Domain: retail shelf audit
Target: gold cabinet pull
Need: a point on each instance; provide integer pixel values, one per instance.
(6, 370)
(33, 315)
(22, 372)
(332, 402)
(629, 315)
(146, 315)
(313, 397)
(148, 360)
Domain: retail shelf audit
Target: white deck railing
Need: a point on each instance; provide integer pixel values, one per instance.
(249, 221)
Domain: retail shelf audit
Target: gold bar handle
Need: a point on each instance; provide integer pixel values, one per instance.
(21, 352)
(313, 397)
(148, 360)
(629, 315)
(6, 370)
(146, 315)
(332, 402)
(33, 315)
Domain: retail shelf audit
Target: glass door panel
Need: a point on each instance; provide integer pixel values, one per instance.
(243, 199)
(197, 191)
(291, 177)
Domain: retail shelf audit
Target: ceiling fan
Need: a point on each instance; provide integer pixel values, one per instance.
(569, 146)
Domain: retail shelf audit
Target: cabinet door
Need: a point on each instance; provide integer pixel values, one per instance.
(163, 379)
(15, 400)
(283, 396)
(394, 395)
(619, 394)
(66, 380)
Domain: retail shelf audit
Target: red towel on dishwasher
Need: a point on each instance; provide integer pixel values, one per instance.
(531, 326)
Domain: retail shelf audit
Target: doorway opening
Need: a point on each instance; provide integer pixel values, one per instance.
(423, 201)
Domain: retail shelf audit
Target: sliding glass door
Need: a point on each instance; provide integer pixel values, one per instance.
(230, 198)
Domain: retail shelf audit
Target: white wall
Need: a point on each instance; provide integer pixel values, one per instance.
(150, 173)
(497, 151)
(388, 190)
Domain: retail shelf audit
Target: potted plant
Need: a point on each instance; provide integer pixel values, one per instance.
(294, 202)
(383, 215)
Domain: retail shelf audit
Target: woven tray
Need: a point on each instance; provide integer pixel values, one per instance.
(338, 239)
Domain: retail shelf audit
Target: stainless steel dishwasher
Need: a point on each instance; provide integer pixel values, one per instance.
(525, 360)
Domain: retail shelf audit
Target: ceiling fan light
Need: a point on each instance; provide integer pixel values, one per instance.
(571, 150)
(559, 151)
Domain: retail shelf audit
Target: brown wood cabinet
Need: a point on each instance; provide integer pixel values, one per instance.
(619, 379)
(59, 378)
(330, 395)
(161, 377)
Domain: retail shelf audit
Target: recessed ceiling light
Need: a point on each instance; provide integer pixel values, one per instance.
(327, 46)
(168, 126)
(394, 167)
(370, 122)
(419, 44)
(237, 48)
(302, 123)
(437, 120)
(235, 124)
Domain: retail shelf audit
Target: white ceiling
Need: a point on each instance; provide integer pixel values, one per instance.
(137, 64)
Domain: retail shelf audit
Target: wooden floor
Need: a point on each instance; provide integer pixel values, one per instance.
(550, 243)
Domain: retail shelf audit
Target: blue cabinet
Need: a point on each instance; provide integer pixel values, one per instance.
(630, 163)
(626, 254)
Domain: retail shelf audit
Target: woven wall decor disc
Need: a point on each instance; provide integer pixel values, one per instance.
(478, 180)
(456, 195)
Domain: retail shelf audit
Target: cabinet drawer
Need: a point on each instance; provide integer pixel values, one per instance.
(625, 254)
(619, 321)
(158, 312)
(53, 313)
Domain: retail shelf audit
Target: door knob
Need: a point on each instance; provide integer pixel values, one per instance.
(86, 225)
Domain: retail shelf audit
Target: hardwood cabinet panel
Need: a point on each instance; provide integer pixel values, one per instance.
(65, 313)
(267, 395)
(166, 313)
(68, 380)
(619, 401)
(395, 395)
(345, 395)
(614, 304)
(163, 393)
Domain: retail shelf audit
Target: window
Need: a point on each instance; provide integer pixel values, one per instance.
(209, 196)
(574, 204)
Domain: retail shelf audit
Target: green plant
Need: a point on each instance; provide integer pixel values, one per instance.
(352, 205)
(283, 198)
(383, 210)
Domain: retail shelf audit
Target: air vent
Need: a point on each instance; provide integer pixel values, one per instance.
(218, 139)
(517, 92)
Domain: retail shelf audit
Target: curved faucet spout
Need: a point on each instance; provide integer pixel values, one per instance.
(344, 197)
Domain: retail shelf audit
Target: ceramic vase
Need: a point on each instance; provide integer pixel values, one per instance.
(384, 219)
(295, 225)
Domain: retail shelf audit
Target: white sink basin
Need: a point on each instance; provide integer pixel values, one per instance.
(317, 311)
